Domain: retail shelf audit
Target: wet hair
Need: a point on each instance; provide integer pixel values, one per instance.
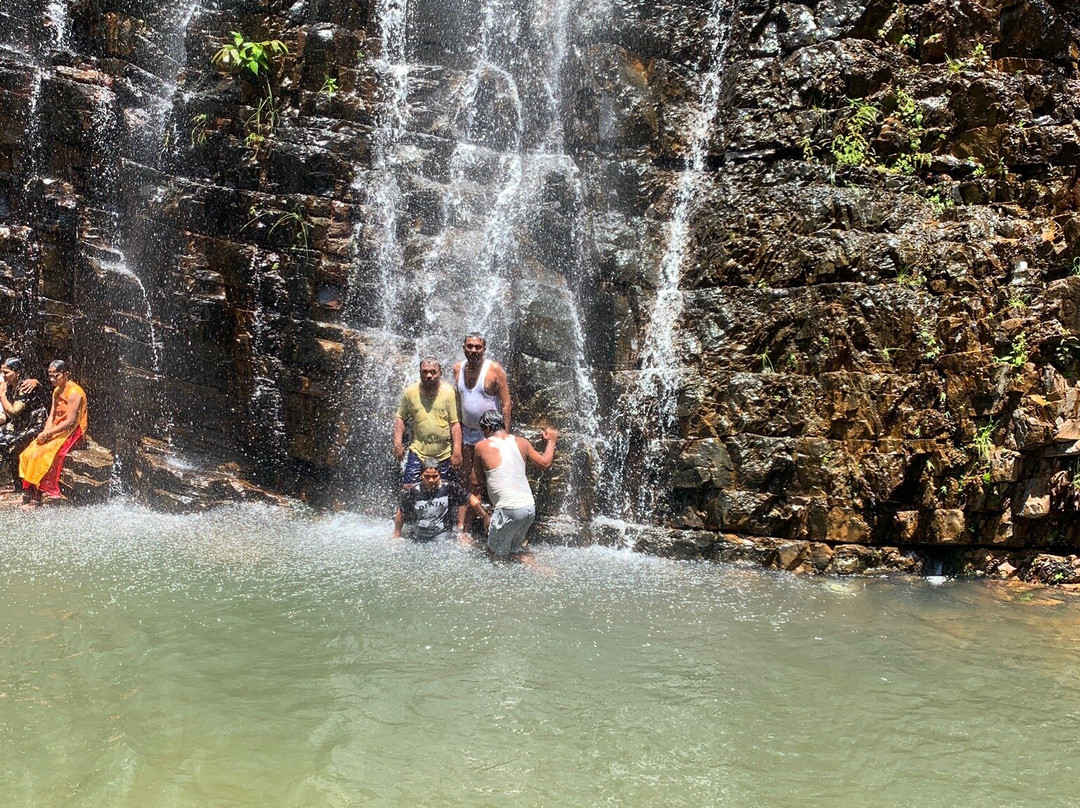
(429, 463)
(431, 360)
(13, 363)
(493, 420)
(475, 335)
(58, 366)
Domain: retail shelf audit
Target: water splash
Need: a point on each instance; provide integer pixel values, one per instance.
(56, 12)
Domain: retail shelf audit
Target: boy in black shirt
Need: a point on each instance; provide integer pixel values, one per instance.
(24, 405)
(434, 505)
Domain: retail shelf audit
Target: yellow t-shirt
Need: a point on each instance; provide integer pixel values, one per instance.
(431, 419)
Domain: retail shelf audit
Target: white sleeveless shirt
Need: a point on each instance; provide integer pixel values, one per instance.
(507, 485)
(475, 401)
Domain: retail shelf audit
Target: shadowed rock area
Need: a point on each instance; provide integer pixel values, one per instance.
(866, 357)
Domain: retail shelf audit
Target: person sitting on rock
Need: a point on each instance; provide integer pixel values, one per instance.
(503, 456)
(42, 461)
(23, 407)
(433, 505)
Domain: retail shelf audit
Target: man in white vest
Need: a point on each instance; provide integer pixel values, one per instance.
(502, 457)
(481, 386)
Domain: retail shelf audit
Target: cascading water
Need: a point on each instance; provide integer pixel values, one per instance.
(487, 258)
(379, 258)
(651, 403)
(57, 14)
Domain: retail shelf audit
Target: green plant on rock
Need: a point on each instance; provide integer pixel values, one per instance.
(246, 55)
(329, 88)
(982, 442)
(291, 219)
(851, 145)
(807, 147)
(907, 42)
(1017, 356)
(930, 341)
(198, 129)
(1067, 353)
(1017, 301)
(906, 276)
(766, 363)
(1074, 267)
(260, 125)
(937, 204)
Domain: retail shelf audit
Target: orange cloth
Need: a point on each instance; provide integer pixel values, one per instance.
(37, 458)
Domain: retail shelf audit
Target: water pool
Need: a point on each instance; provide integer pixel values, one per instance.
(257, 657)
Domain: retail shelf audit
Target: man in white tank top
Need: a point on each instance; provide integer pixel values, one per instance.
(481, 384)
(503, 457)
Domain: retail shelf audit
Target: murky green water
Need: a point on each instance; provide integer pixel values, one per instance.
(254, 658)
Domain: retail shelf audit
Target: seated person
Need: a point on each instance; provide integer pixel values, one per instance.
(41, 462)
(23, 407)
(433, 505)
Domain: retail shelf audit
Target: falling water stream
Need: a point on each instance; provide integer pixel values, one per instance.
(651, 404)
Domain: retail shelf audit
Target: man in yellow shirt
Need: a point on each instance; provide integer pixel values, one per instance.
(430, 407)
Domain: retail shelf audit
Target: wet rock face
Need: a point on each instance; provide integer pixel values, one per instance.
(875, 335)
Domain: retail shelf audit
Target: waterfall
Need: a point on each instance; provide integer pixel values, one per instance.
(385, 370)
(653, 400)
(267, 416)
(465, 260)
(56, 12)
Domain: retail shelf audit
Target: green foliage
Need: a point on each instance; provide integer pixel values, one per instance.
(930, 341)
(955, 65)
(1017, 356)
(329, 88)
(766, 363)
(907, 42)
(245, 55)
(851, 146)
(983, 441)
(291, 219)
(260, 125)
(939, 205)
(905, 276)
(1074, 268)
(1017, 301)
(914, 157)
(198, 129)
(807, 147)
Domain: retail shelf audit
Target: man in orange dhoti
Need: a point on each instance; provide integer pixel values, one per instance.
(41, 461)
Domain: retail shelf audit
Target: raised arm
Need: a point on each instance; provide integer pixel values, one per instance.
(8, 406)
(543, 460)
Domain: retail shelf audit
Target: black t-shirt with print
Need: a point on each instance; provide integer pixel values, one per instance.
(435, 511)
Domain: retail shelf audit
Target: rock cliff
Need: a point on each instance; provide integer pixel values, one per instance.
(792, 277)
